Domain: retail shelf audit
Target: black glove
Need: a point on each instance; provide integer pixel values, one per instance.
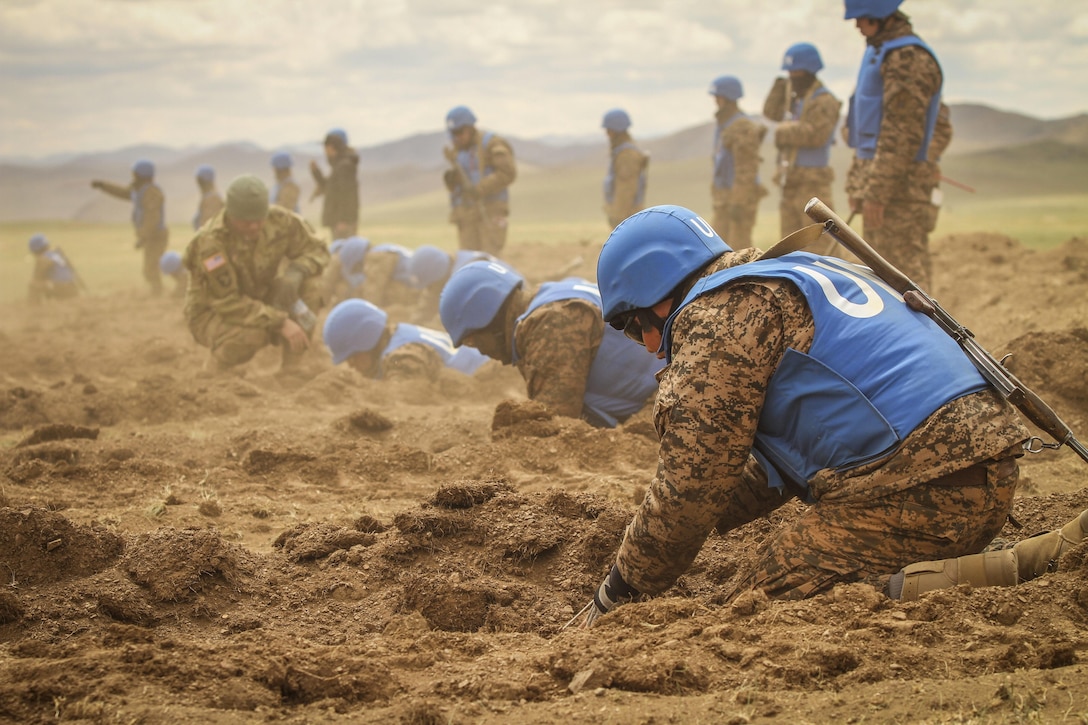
(283, 293)
(613, 590)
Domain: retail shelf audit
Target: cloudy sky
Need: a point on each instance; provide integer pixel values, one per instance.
(84, 75)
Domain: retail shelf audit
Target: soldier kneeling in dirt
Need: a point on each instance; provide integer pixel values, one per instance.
(801, 377)
(555, 336)
(359, 333)
(54, 277)
(238, 300)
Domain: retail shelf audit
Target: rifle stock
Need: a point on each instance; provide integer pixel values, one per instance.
(1007, 384)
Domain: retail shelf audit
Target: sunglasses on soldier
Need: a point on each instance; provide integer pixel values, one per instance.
(637, 323)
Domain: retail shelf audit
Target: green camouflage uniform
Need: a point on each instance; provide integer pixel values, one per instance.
(150, 237)
(819, 115)
(380, 287)
(473, 230)
(414, 361)
(735, 208)
(927, 500)
(230, 282)
(627, 168)
(892, 177)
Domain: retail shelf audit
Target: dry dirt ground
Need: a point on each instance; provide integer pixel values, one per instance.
(184, 549)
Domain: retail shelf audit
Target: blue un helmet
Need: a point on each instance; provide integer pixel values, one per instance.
(429, 265)
(170, 262)
(459, 117)
(649, 254)
(616, 120)
(353, 326)
(38, 244)
(727, 87)
(472, 298)
(352, 251)
(205, 173)
(876, 9)
(144, 169)
(802, 56)
(337, 133)
(281, 160)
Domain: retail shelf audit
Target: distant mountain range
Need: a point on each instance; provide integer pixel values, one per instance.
(59, 187)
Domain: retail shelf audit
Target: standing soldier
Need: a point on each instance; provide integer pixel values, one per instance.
(54, 277)
(285, 192)
(735, 191)
(148, 217)
(806, 114)
(211, 203)
(890, 125)
(239, 300)
(340, 188)
(482, 170)
(625, 184)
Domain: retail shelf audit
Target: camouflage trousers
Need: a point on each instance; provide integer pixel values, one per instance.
(734, 223)
(479, 235)
(801, 185)
(233, 344)
(861, 538)
(903, 240)
(153, 250)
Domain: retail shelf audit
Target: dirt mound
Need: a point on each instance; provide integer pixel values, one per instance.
(321, 547)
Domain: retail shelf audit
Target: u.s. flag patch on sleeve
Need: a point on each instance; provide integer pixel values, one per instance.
(214, 262)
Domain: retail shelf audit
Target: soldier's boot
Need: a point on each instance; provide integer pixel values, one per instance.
(1026, 560)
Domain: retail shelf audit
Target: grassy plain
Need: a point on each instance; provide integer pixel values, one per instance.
(550, 206)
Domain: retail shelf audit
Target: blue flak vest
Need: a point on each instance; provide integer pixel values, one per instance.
(812, 155)
(875, 371)
(469, 160)
(866, 109)
(462, 359)
(724, 165)
(403, 271)
(137, 196)
(60, 272)
(610, 178)
(622, 376)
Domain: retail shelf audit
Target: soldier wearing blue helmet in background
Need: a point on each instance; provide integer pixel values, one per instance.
(806, 114)
(482, 168)
(148, 217)
(798, 377)
(891, 124)
(735, 189)
(362, 335)
(555, 335)
(211, 201)
(171, 265)
(285, 192)
(625, 183)
(54, 277)
(340, 214)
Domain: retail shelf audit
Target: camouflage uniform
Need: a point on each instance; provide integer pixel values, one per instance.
(811, 130)
(211, 203)
(945, 491)
(53, 277)
(230, 283)
(911, 78)
(628, 182)
(149, 220)
(382, 286)
(483, 225)
(735, 206)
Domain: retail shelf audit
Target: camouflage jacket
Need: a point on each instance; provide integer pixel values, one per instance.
(819, 116)
(626, 168)
(911, 77)
(231, 278)
(743, 138)
(726, 345)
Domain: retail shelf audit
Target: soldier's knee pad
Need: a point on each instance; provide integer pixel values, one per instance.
(992, 568)
(1039, 554)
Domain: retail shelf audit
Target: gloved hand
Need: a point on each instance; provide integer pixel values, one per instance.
(96, 184)
(283, 293)
(450, 179)
(613, 590)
